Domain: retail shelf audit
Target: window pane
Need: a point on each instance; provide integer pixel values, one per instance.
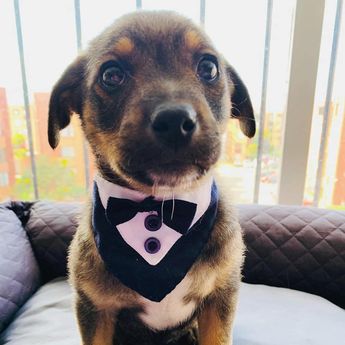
(332, 192)
(337, 185)
(240, 35)
(190, 8)
(97, 15)
(49, 47)
(277, 88)
(223, 22)
(15, 168)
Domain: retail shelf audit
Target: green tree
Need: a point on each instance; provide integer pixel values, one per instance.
(252, 150)
(56, 181)
(19, 146)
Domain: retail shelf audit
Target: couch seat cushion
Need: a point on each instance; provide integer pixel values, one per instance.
(271, 316)
(266, 316)
(46, 319)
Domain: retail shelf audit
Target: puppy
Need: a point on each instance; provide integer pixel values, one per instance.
(157, 257)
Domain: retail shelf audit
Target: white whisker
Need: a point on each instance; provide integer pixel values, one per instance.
(173, 204)
(162, 208)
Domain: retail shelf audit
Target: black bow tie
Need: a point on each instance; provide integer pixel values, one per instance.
(177, 214)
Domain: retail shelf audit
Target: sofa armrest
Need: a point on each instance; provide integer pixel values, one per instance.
(50, 228)
(19, 272)
(302, 248)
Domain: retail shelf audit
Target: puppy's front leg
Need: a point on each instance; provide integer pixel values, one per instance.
(216, 320)
(96, 327)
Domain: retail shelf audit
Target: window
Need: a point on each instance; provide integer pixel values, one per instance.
(67, 152)
(263, 54)
(2, 155)
(67, 132)
(4, 181)
(325, 179)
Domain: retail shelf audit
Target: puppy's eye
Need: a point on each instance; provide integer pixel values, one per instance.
(208, 69)
(113, 76)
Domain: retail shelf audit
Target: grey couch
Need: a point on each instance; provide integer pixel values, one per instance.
(294, 275)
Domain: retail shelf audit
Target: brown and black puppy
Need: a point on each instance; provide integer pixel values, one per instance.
(146, 64)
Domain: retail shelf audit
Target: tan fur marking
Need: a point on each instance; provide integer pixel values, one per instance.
(211, 329)
(104, 331)
(192, 39)
(124, 46)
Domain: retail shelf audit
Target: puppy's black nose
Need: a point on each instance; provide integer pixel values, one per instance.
(174, 123)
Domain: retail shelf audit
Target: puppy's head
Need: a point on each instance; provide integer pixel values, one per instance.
(153, 96)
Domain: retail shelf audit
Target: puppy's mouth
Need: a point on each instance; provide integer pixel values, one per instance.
(174, 174)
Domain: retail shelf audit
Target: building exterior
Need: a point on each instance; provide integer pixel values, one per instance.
(69, 153)
(39, 119)
(339, 185)
(71, 138)
(7, 168)
(19, 139)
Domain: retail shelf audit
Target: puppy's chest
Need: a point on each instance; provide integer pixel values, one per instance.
(171, 311)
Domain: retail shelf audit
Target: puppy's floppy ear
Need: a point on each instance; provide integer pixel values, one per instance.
(66, 98)
(241, 104)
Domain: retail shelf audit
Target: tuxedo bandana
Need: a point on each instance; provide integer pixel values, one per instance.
(149, 244)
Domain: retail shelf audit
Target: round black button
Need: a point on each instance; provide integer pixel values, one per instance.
(153, 222)
(152, 245)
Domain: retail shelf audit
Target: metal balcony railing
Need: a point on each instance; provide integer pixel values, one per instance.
(291, 185)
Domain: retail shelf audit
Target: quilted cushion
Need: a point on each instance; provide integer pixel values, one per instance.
(302, 248)
(19, 273)
(50, 228)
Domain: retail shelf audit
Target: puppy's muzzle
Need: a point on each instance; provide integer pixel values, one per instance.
(174, 124)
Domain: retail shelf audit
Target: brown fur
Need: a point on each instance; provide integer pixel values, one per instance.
(160, 52)
(124, 46)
